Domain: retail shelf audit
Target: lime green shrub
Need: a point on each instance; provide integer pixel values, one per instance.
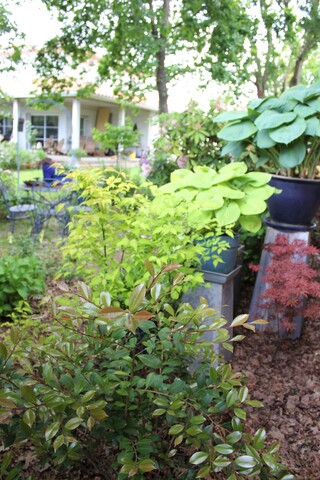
(118, 227)
(119, 380)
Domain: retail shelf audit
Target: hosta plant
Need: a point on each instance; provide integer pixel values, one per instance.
(281, 134)
(115, 385)
(222, 197)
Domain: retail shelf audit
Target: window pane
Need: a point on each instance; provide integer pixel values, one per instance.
(37, 120)
(52, 132)
(52, 121)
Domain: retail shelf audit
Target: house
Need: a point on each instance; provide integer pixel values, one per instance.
(68, 126)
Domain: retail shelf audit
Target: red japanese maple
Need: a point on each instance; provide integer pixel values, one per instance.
(292, 286)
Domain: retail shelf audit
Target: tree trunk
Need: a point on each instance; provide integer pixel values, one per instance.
(162, 82)
(296, 77)
(159, 32)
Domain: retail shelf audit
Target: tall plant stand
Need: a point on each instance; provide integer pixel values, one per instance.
(218, 290)
(257, 311)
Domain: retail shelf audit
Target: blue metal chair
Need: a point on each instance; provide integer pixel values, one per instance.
(16, 211)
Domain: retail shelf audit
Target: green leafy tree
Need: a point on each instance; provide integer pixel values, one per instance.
(286, 35)
(140, 43)
(115, 137)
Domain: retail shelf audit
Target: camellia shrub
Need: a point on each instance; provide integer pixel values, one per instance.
(137, 390)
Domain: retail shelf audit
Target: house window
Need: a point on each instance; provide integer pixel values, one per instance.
(6, 127)
(82, 127)
(45, 126)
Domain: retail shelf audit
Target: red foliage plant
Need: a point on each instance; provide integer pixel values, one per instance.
(292, 285)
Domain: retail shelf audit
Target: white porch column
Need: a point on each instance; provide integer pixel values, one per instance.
(15, 120)
(122, 117)
(75, 124)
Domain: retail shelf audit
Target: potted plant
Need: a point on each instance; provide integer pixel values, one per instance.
(218, 202)
(282, 135)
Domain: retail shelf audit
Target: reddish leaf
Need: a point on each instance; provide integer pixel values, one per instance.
(171, 267)
(143, 315)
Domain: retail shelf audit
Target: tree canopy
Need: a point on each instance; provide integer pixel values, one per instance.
(143, 44)
(286, 37)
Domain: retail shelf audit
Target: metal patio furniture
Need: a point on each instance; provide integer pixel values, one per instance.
(17, 208)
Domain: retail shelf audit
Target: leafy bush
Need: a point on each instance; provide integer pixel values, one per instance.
(20, 277)
(9, 153)
(139, 383)
(108, 244)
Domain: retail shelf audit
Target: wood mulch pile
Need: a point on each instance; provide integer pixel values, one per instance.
(285, 376)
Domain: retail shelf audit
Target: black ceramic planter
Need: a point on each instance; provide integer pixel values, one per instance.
(298, 202)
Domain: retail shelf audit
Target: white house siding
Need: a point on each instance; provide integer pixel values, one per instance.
(89, 112)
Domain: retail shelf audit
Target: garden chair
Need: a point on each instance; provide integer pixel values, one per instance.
(16, 211)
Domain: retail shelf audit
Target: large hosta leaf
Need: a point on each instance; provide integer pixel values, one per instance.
(280, 104)
(288, 133)
(313, 127)
(256, 179)
(235, 149)
(273, 119)
(263, 139)
(298, 92)
(227, 116)
(252, 223)
(252, 205)
(229, 213)
(227, 192)
(210, 198)
(304, 110)
(315, 104)
(293, 155)
(199, 218)
(237, 131)
(263, 193)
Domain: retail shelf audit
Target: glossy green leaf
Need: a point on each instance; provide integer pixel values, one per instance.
(175, 429)
(147, 465)
(58, 442)
(28, 393)
(137, 297)
(198, 458)
(3, 351)
(52, 430)
(245, 461)
(151, 361)
(73, 423)
(224, 449)
(29, 417)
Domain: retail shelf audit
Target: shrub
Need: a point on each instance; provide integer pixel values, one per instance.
(108, 244)
(19, 278)
(9, 154)
(140, 384)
